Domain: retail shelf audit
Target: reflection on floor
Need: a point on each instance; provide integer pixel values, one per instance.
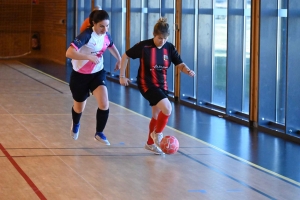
(261, 149)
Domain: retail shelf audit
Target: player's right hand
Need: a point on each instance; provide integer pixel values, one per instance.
(124, 81)
(94, 59)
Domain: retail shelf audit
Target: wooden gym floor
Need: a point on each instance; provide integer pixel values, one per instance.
(216, 160)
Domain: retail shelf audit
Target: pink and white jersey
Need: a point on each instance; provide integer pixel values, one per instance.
(88, 42)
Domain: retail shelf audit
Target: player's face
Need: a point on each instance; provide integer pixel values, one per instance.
(101, 27)
(160, 40)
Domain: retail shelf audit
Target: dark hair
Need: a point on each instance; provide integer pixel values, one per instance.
(97, 16)
(161, 27)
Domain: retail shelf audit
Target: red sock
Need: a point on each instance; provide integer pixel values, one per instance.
(162, 121)
(152, 125)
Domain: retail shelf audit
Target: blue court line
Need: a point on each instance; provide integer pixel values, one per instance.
(226, 175)
(274, 174)
(269, 172)
(278, 177)
(201, 191)
(234, 190)
(255, 166)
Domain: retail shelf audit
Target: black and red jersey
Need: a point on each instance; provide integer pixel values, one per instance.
(154, 63)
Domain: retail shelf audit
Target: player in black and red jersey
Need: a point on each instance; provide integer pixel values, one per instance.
(156, 56)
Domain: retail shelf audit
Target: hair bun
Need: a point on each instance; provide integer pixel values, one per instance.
(161, 27)
(162, 19)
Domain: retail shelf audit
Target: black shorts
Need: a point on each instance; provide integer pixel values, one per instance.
(154, 95)
(82, 84)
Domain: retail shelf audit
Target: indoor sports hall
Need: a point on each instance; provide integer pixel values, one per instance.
(236, 121)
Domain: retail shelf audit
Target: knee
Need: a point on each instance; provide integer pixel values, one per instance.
(78, 108)
(167, 110)
(103, 106)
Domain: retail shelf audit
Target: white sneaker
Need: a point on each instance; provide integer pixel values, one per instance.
(157, 137)
(75, 131)
(154, 148)
(101, 138)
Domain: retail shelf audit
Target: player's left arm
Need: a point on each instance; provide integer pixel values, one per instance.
(177, 59)
(185, 69)
(114, 51)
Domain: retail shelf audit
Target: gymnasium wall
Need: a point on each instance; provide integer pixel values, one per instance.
(20, 19)
(14, 30)
(47, 19)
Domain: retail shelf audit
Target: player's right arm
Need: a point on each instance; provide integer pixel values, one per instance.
(123, 80)
(134, 52)
(76, 55)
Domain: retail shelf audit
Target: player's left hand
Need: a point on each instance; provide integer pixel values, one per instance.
(118, 65)
(124, 81)
(191, 73)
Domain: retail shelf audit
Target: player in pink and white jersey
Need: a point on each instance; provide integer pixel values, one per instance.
(88, 75)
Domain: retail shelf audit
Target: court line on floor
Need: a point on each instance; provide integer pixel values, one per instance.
(48, 75)
(201, 141)
(224, 152)
(22, 173)
(227, 175)
(35, 79)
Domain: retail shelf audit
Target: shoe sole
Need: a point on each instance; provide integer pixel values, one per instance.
(156, 153)
(102, 142)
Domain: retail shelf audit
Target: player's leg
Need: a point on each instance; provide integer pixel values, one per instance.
(165, 108)
(101, 95)
(152, 124)
(77, 110)
(80, 93)
(150, 143)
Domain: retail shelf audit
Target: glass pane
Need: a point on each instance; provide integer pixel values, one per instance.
(281, 66)
(220, 50)
(237, 59)
(153, 14)
(136, 35)
(143, 17)
(168, 11)
(117, 15)
(188, 46)
(98, 3)
(267, 62)
(292, 108)
(83, 11)
(246, 83)
(204, 52)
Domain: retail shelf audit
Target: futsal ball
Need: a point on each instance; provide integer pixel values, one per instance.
(169, 144)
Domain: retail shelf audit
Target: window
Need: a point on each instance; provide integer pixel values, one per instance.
(144, 15)
(117, 13)
(272, 65)
(219, 52)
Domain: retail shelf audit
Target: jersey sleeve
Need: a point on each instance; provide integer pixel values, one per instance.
(81, 39)
(111, 43)
(135, 51)
(176, 58)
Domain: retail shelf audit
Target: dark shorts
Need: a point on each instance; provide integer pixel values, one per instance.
(155, 95)
(82, 85)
